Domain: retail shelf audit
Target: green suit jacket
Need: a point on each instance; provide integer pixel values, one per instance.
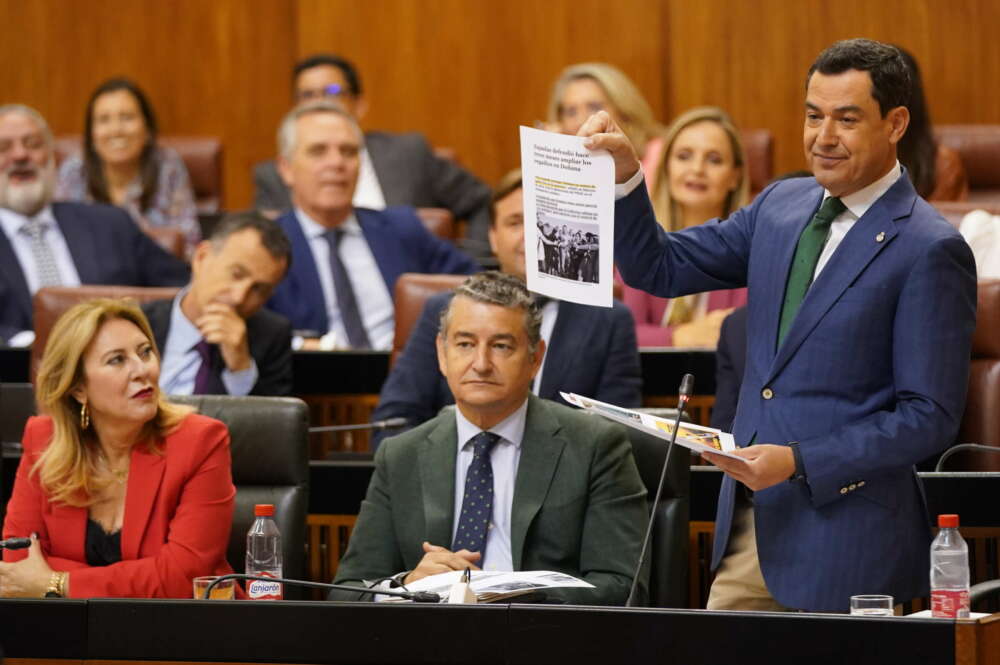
(579, 504)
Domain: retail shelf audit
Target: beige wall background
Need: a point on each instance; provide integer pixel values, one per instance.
(468, 72)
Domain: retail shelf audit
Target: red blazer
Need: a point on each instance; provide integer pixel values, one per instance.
(178, 515)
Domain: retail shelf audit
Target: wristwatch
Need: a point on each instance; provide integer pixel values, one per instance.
(799, 475)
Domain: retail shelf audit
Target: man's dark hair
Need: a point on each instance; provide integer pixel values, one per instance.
(344, 65)
(890, 76)
(272, 236)
(511, 182)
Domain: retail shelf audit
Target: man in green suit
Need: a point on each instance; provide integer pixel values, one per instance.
(505, 481)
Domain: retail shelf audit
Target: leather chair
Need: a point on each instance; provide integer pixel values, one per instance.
(981, 421)
(270, 450)
(50, 303)
(412, 291)
(17, 404)
(759, 147)
(202, 156)
(668, 553)
(978, 146)
(955, 211)
(439, 221)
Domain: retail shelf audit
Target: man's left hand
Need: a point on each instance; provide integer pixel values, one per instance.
(27, 578)
(220, 324)
(766, 465)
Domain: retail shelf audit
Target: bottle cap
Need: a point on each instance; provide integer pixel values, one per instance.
(948, 521)
(267, 510)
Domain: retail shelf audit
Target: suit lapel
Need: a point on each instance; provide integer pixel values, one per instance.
(560, 357)
(305, 274)
(145, 474)
(13, 276)
(386, 254)
(872, 233)
(437, 479)
(540, 452)
(80, 241)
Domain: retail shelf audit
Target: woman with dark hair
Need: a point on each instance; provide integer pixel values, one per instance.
(122, 165)
(935, 170)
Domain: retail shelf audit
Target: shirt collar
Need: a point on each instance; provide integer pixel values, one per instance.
(314, 229)
(183, 333)
(860, 201)
(510, 429)
(13, 221)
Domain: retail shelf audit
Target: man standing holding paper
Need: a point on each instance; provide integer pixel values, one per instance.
(861, 311)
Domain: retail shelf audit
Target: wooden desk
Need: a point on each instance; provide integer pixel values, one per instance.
(133, 631)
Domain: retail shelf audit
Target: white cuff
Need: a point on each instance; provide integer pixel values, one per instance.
(627, 187)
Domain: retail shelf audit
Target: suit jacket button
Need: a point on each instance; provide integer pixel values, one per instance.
(861, 483)
(767, 393)
(843, 490)
(852, 487)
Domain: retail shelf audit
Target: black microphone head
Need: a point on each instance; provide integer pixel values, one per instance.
(687, 385)
(15, 543)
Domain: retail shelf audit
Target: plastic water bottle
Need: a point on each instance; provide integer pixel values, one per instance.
(949, 571)
(264, 554)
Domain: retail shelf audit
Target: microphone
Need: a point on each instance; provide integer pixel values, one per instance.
(963, 446)
(684, 394)
(15, 543)
(415, 596)
(388, 423)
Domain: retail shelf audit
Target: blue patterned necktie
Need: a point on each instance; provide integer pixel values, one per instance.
(477, 504)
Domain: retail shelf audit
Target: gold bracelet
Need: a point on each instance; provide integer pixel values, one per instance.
(57, 585)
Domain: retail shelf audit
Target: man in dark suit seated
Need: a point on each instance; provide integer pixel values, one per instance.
(60, 244)
(346, 260)
(730, 361)
(214, 338)
(396, 169)
(591, 350)
(505, 481)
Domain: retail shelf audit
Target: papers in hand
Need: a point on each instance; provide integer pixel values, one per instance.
(695, 437)
(493, 585)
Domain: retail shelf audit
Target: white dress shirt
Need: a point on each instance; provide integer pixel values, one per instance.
(368, 191)
(181, 360)
(369, 286)
(504, 457)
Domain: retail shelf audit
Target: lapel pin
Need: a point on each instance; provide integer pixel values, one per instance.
(880, 237)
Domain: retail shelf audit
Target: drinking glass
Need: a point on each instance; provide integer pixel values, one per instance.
(872, 606)
(224, 590)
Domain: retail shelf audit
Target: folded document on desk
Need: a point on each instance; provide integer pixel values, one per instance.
(695, 437)
(493, 585)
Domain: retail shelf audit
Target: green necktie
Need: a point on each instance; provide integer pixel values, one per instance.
(804, 264)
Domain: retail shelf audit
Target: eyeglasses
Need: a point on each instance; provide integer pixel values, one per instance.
(332, 90)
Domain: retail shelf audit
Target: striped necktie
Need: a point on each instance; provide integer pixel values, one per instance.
(45, 260)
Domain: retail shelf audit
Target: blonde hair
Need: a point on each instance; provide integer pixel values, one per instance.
(667, 212)
(636, 116)
(67, 469)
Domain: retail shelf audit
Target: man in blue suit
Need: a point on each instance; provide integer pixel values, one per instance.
(589, 350)
(345, 260)
(60, 244)
(861, 311)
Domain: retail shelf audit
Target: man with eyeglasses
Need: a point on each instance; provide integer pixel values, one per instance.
(395, 169)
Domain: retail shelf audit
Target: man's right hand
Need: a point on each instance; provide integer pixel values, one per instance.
(438, 559)
(604, 134)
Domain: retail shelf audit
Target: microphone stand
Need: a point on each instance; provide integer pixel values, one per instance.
(687, 386)
(391, 423)
(963, 446)
(415, 596)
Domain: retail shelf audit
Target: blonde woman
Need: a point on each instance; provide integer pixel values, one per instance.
(122, 493)
(585, 88)
(703, 176)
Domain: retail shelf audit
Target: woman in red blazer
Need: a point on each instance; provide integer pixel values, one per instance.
(122, 493)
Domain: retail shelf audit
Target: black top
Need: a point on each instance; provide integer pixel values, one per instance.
(102, 548)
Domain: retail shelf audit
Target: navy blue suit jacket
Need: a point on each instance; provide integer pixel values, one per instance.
(870, 380)
(107, 248)
(593, 352)
(398, 241)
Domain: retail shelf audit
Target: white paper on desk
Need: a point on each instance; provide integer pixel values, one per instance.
(569, 217)
(698, 438)
(497, 584)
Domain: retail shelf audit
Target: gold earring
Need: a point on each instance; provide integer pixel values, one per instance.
(84, 417)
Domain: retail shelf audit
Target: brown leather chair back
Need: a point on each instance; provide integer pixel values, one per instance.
(981, 422)
(412, 291)
(438, 221)
(759, 147)
(52, 301)
(169, 238)
(955, 211)
(202, 156)
(978, 146)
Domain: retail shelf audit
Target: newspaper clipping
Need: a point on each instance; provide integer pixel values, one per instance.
(568, 217)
